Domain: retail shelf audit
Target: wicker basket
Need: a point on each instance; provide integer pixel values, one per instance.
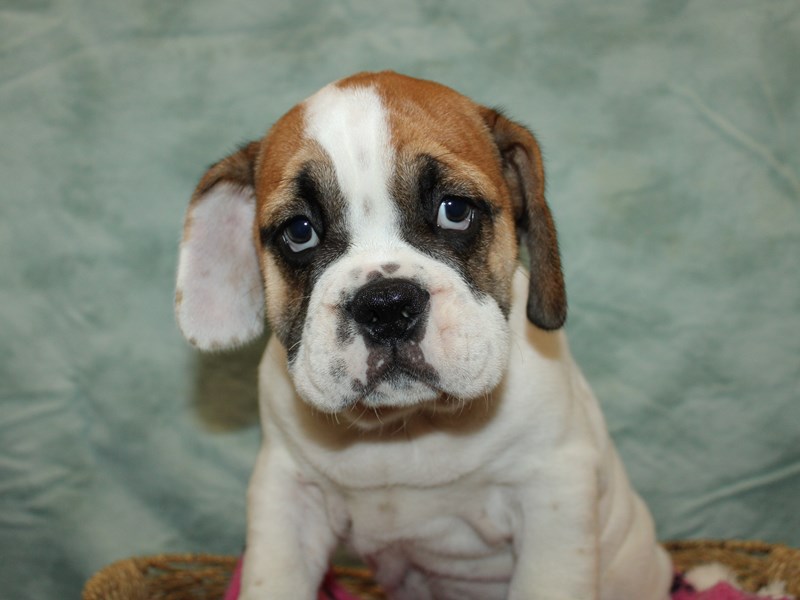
(204, 577)
(755, 563)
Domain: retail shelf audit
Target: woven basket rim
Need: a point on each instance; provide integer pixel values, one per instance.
(755, 563)
(752, 546)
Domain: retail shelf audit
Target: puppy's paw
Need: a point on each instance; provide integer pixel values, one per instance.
(706, 576)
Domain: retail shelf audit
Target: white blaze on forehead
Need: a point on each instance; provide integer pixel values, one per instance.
(352, 127)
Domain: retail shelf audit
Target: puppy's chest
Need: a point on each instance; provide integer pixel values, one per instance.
(457, 531)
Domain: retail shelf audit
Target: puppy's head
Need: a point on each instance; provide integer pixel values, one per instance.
(377, 222)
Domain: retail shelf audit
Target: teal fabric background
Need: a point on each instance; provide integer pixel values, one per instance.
(670, 131)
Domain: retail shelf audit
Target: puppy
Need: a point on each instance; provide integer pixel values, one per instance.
(418, 398)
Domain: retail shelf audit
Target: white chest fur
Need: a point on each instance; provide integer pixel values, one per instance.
(464, 532)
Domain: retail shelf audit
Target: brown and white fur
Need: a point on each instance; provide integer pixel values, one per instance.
(418, 398)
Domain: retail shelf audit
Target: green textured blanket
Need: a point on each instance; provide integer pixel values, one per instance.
(670, 130)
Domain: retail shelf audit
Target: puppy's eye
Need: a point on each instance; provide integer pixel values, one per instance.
(299, 234)
(455, 213)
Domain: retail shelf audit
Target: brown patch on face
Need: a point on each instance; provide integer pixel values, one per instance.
(315, 197)
(282, 151)
(277, 293)
(285, 152)
(295, 178)
(390, 268)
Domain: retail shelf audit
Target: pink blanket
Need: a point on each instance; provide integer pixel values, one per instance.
(681, 590)
(330, 590)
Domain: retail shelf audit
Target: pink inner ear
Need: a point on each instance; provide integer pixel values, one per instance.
(220, 293)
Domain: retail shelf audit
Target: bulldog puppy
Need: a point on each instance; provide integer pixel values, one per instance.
(418, 398)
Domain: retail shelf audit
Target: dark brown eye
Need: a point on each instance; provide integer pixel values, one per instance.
(299, 234)
(454, 213)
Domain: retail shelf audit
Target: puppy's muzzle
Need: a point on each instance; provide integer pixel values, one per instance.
(389, 310)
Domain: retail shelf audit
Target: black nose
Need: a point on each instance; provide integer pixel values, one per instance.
(389, 309)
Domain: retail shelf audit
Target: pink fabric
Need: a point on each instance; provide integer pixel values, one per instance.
(232, 593)
(331, 590)
(721, 591)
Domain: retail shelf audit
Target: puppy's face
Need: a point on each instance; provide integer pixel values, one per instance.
(378, 219)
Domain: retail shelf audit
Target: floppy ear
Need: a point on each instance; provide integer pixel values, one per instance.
(219, 295)
(524, 175)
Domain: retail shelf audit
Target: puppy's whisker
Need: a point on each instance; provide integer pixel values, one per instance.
(461, 406)
(516, 340)
(359, 417)
(293, 346)
(297, 303)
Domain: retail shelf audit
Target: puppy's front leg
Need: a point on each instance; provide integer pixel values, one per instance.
(289, 539)
(558, 546)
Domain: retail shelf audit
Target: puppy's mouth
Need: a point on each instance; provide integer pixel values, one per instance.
(397, 368)
(398, 382)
